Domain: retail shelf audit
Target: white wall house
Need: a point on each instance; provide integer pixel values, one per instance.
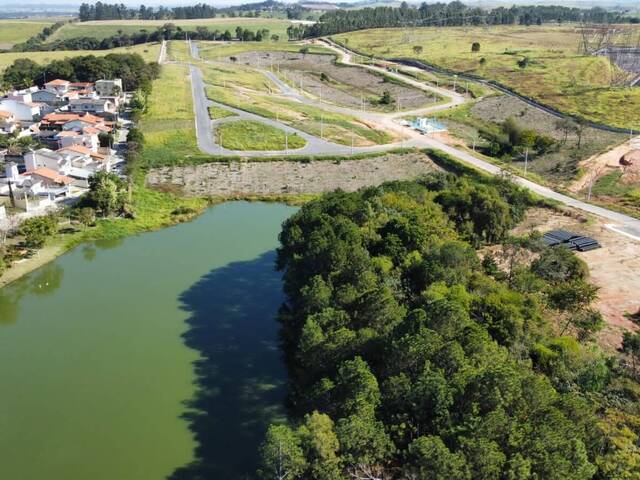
(8, 122)
(97, 106)
(23, 112)
(58, 86)
(70, 138)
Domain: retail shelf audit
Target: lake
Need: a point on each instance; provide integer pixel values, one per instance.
(146, 358)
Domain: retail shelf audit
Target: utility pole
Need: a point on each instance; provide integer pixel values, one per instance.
(322, 127)
(352, 143)
(455, 82)
(474, 143)
(526, 160)
(286, 141)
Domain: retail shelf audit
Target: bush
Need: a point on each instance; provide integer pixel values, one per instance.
(475, 47)
(37, 230)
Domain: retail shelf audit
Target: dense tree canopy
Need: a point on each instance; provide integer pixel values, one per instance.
(131, 68)
(408, 361)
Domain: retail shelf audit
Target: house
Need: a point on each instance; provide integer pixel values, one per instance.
(83, 88)
(24, 95)
(23, 112)
(98, 106)
(53, 98)
(75, 162)
(8, 122)
(86, 121)
(109, 88)
(70, 138)
(57, 122)
(58, 86)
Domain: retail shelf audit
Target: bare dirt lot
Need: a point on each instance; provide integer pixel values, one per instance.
(614, 268)
(340, 84)
(281, 177)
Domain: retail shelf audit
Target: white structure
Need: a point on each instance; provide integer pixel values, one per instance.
(25, 96)
(109, 88)
(97, 106)
(428, 126)
(8, 122)
(58, 86)
(70, 138)
(23, 112)
(3, 213)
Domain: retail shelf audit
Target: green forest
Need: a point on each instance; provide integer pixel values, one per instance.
(414, 354)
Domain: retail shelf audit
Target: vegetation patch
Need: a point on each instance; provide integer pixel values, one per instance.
(216, 113)
(253, 135)
(541, 62)
(17, 31)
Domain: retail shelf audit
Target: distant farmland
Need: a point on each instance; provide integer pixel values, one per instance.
(541, 62)
(107, 28)
(17, 31)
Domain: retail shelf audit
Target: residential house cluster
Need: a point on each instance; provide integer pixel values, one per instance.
(67, 119)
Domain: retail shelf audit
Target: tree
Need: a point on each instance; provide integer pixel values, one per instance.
(386, 99)
(86, 216)
(475, 47)
(275, 37)
(559, 265)
(304, 51)
(428, 458)
(282, 455)
(417, 49)
(37, 230)
(107, 192)
(320, 445)
(631, 346)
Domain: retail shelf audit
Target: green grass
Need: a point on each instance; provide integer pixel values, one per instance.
(107, 28)
(216, 113)
(168, 125)
(178, 51)
(236, 76)
(148, 51)
(557, 75)
(253, 135)
(18, 31)
(215, 51)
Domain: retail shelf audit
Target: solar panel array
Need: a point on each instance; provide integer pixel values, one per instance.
(570, 240)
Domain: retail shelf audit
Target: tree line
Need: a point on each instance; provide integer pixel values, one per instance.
(168, 31)
(453, 14)
(135, 73)
(115, 11)
(412, 356)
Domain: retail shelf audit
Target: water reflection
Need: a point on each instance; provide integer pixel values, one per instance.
(46, 279)
(240, 375)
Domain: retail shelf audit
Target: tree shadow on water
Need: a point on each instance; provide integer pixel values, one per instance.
(240, 376)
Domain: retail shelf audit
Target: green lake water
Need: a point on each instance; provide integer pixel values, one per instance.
(148, 358)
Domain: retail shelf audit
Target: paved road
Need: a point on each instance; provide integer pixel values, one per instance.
(626, 225)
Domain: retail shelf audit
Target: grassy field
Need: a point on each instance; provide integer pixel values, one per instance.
(17, 31)
(251, 135)
(168, 125)
(217, 51)
(107, 28)
(555, 74)
(178, 51)
(216, 112)
(149, 52)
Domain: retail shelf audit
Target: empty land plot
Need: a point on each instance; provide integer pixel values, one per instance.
(247, 89)
(559, 166)
(17, 31)
(168, 125)
(178, 51)
(148, 51)
(348, 86)
(106, 28)
(553, 72)
(281, 177)
(219, 50)
(253, 135)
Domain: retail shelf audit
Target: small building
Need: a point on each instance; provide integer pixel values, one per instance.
(97, 106)
(58, 86)
(23, 112)
(428, 125)
(71, 138)
(109, 88)
(8, 122)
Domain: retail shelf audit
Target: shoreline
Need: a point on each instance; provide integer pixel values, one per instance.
(61, 245)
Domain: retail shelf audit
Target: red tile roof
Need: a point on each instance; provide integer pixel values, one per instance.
(50, 175)
(58, 81)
